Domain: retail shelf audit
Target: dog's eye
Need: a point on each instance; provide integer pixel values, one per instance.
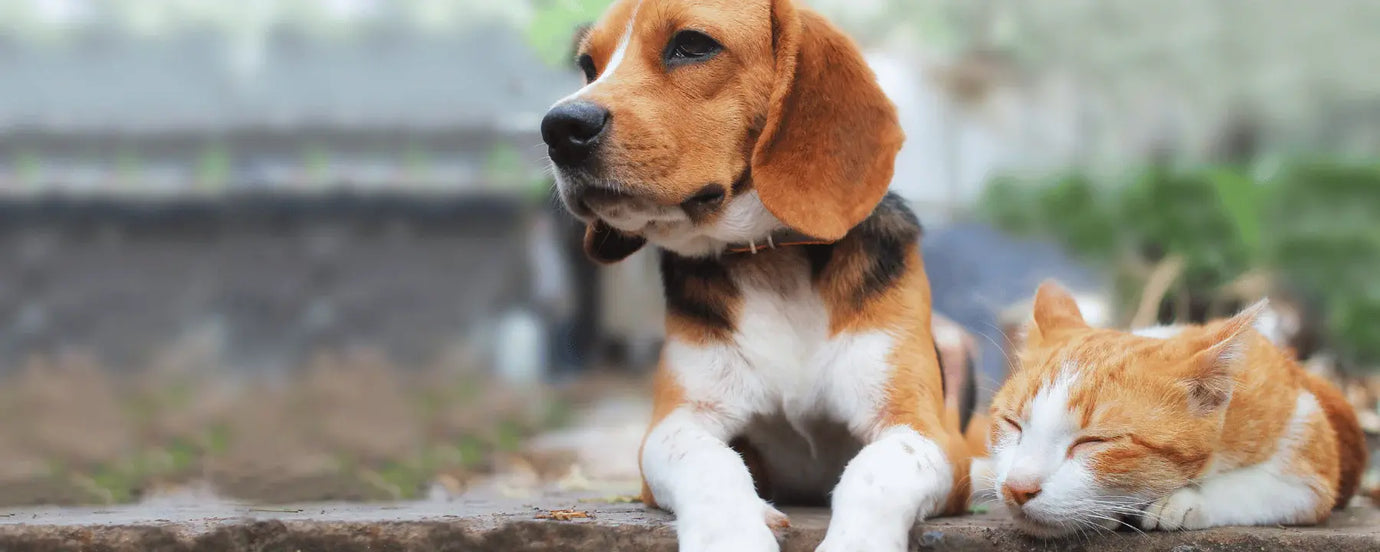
(690, 46)
(587, 65)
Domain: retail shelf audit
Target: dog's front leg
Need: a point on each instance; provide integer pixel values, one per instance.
(899, 477)
(692, 472)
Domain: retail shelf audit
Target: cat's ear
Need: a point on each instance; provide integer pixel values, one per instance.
(1054, 310)
(1212, 366)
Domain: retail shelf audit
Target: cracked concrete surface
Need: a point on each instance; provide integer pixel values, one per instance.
(494, 523)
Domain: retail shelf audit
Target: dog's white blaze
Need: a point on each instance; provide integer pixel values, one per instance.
(614, 60)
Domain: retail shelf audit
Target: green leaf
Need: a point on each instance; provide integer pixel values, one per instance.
(1240, 198)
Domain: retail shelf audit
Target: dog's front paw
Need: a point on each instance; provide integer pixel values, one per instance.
(865, 536)
(1182, 509)
(875, 543)
(775, 519)
(747, 529)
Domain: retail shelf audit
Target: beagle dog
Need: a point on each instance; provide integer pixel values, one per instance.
(750, 143)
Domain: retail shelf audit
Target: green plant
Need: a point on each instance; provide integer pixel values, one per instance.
(1325, 236)
(1069, 207)
(1184, 213)
(1315, 225)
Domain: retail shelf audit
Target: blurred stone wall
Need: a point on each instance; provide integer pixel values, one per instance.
(262, 281)
(633, 310)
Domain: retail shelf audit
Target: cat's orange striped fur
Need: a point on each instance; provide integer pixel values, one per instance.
(1205, 426)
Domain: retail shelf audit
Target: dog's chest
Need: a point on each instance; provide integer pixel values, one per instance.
(803, 394)
(782, 358)
(781, 328)
(802, 370)
(800, 429)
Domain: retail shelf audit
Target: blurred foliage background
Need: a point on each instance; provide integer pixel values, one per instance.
(1309, 226)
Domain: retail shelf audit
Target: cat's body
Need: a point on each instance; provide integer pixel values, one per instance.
(1195, 427)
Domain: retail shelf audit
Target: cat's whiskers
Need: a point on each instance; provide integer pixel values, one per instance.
(1005, 352)
(1112, 508)
(1117, 520)
(1005, 337)
(1083, 524)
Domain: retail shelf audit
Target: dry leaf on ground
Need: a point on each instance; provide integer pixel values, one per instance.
(565, 515)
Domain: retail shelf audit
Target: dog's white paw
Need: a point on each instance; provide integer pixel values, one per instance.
(864, 536)
(747, 529)
(775, 519)
(1182, 509)
(865, 544)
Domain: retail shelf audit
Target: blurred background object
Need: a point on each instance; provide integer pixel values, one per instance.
(307, 249)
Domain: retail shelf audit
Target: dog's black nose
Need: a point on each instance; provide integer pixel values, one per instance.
(571, 131)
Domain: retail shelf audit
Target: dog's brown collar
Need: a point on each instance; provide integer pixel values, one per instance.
(780, 238)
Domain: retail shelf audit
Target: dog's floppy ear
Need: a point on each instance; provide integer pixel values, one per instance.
(824, 158)
(605, 244)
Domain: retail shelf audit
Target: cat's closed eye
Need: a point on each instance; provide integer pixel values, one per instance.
(1088, 442)
(1009, 427)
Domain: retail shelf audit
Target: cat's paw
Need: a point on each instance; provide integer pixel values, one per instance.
(746, 529)
(1182, 509)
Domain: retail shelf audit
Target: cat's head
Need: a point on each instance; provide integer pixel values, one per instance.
(1096, 423)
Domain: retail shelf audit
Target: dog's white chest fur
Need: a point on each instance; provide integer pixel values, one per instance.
(800, 394)
(780, 332)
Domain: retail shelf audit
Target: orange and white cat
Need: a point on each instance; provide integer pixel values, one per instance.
(1186, 428)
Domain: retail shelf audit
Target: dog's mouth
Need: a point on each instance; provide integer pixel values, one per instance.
(629, 214)
(592, 201)
(638, 214)
(592, 196)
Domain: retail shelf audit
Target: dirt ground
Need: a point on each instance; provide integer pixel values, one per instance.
(348, 427)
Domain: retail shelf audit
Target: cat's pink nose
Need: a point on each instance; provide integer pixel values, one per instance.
(1020, 492)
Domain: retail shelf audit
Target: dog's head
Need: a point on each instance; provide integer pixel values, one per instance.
(706, 123)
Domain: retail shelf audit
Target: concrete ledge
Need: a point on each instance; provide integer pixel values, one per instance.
(506, 525)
